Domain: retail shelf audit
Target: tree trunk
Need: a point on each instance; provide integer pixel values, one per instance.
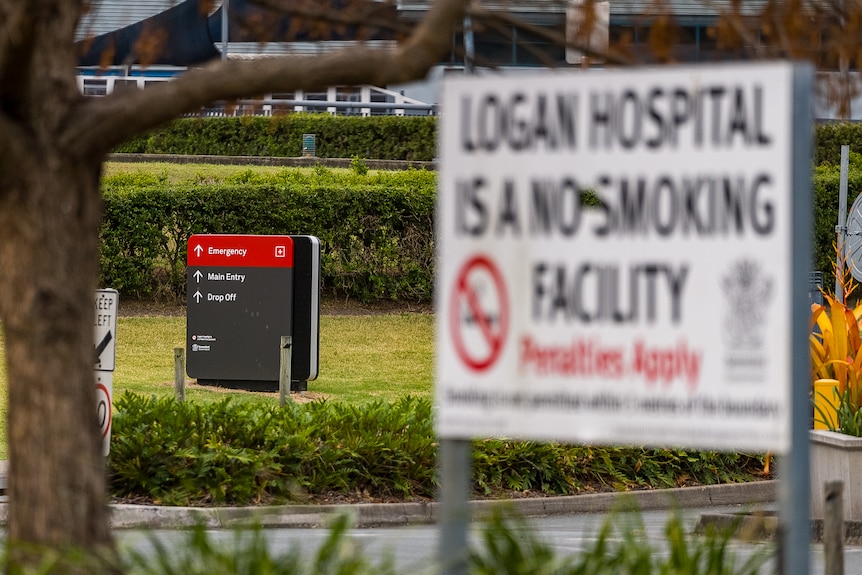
(49, 221)
(51, 145)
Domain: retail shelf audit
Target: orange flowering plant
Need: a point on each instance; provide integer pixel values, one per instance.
(836, 353)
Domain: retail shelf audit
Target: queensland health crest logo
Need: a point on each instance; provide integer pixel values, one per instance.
(747, 291)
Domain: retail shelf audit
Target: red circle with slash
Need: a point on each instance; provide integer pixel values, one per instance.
(478, 333)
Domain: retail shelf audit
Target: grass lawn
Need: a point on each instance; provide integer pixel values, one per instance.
(362, 357)
(182, 173)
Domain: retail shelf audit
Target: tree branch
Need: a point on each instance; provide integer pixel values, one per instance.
(100, 124)
(488, 16)
(364, 13)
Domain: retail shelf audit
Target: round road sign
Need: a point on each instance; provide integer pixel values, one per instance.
(103, 406)
(479, 313)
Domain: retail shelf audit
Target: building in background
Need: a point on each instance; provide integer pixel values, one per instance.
(189, 37)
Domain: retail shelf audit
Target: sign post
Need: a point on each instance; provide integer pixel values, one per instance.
(105, 341)
(623, 259)
(244, 292)
(239, 303)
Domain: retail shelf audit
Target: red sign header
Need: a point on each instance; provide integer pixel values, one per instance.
(224, 250)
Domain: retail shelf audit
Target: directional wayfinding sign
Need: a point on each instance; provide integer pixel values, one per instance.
(105, 341)
(616, 257)
(239, 303)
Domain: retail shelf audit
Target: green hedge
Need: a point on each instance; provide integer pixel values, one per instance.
(240, 453)
(830, 138)
(377, 137)
(827, 179)
(376, 231)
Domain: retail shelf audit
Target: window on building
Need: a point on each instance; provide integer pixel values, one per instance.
(95, 87)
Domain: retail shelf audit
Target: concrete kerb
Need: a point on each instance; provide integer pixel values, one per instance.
(125, 516)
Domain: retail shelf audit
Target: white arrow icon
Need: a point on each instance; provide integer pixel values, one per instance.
(198, 250)
(198, 275)
(197, 295)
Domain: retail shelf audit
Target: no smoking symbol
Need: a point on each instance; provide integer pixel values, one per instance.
(479, 313)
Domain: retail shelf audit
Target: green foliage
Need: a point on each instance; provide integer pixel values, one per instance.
(250, 553)
(359, 166)
(232, 453)
(377, 137)
(125, 180)
(827, 178)
(509, 548)
(848, 414)
(830, 138)
(554, 468)
(375, 230)
(524, 466)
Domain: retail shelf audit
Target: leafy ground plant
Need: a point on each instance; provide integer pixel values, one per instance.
(507, 546)
(251, 554)
(245, 453)
(510, 548)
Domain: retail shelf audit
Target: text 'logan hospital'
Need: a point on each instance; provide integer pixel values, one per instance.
(653, 118)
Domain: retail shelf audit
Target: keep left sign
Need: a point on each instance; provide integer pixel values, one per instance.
(106, 304)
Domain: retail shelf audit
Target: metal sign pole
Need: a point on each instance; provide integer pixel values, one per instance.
(456, 454)
(794, 485)
(285, 362)
(841, 227)
(455, 473)
(225, 7)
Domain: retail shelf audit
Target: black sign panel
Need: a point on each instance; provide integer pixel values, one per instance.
(239, 304)
(306, 311)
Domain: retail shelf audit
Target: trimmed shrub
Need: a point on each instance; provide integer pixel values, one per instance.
(240, 453)
(827, 179)
(376, 137)
(376, 231)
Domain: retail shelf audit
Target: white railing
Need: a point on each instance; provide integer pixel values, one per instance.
(340, 100)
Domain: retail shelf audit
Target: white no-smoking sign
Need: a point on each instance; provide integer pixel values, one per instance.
(479, 313)
(582, 222)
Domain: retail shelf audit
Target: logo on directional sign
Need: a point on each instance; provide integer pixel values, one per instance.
(479, 313)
